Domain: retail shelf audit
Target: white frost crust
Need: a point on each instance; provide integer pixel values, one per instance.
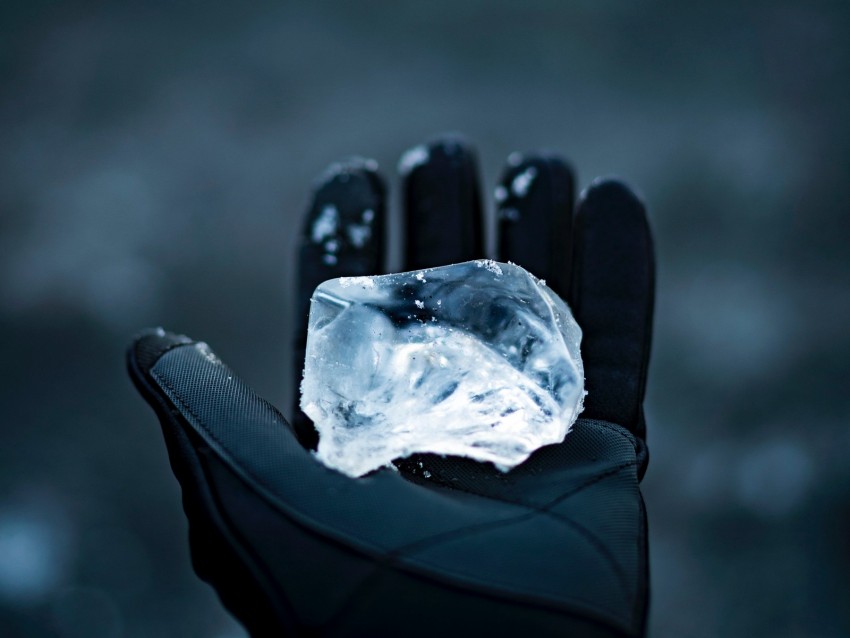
(365, 282)
(522, 182)
(490, 265)
(325, 224)
(358, 234)
(412, 158)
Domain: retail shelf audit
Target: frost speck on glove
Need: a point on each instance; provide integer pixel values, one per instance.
(478, 359)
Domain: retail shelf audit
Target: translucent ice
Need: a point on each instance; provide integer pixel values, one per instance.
(479, 359)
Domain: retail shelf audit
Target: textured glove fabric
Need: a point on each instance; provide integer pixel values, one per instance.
(295, 548)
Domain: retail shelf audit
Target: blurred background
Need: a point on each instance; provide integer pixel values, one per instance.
(155, 158)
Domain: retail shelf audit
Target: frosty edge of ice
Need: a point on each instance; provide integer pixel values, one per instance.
(478, 359)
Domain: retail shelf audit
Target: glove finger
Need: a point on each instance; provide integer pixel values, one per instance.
(271, 528)
(196, 396)
(442, 201)
(216, 555)
(535, 206)
(343, 235)
(534, 199)
(612, 294)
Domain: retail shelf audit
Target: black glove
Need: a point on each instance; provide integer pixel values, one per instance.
(557, 546)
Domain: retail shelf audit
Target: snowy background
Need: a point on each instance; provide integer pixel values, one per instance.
(155, 158)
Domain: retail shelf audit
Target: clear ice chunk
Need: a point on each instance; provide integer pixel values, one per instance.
(478, 359)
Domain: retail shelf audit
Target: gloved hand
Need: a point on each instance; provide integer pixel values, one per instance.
(557, 546)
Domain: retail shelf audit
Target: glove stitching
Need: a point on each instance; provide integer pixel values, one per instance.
(394, 560)
(258, 479)
(595, 479)
(393, 557)
(591, 537)
(458, 534)
(641, 607)
(174, 396)
(600, 547)
(613, 427)
(396, 557)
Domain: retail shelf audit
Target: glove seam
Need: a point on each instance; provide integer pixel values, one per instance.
(219, 520)
(588, 535)
(641, 609)
(596, 478)
(608, 425)
(472, 585)
(379, 556)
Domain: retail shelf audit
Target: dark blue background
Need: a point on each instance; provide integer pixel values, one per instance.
(155, 158)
